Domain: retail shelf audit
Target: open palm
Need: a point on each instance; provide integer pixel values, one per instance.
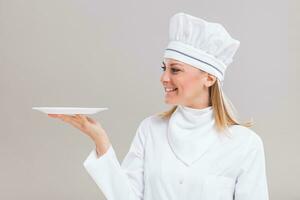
(87, 125)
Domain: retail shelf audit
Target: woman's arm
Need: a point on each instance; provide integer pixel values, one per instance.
(117, 181)
(102, 146)
(252, 181)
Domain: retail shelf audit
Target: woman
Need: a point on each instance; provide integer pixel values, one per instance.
(195, 151)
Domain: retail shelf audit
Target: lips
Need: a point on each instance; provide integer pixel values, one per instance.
(170, 89)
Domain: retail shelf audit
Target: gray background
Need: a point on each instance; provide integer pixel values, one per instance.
(93, 53)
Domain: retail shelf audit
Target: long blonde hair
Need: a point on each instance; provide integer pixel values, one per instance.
(224, 111)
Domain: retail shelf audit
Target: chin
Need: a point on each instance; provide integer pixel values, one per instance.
(170, 102)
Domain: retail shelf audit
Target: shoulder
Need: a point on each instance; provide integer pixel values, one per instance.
(152, 120)
(246, 136)
(152, 123)
(147, 125)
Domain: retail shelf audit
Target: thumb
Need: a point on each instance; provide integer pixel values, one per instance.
(91, 120)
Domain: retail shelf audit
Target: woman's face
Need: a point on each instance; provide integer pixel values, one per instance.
(185, 84)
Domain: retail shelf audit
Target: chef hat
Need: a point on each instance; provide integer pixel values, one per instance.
(204, 45)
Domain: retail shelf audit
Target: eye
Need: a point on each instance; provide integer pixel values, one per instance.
(174, 70)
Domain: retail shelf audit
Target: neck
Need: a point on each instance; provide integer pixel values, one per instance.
(198, 105)
(200, 102)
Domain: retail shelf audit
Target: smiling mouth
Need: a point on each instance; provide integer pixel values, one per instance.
(170, 90)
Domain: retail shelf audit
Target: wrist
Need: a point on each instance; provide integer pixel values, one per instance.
(102, 148)
(101, 140)
(97, 135)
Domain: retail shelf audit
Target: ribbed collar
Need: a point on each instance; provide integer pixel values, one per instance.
(191, 132)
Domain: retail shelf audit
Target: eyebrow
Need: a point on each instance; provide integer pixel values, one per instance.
(172, 64)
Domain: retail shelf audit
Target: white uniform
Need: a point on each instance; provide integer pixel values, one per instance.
(184, 158)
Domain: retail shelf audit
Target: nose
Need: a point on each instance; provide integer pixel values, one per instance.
(165, 77)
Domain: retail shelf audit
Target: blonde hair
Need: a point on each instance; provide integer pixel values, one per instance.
(224, 111)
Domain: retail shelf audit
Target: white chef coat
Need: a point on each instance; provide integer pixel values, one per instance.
(184, 158)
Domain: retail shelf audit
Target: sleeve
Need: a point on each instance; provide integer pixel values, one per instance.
(252, 181)
(125, 181)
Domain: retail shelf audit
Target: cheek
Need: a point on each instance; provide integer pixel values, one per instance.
(191, 87)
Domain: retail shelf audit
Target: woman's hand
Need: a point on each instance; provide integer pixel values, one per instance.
(90, 127)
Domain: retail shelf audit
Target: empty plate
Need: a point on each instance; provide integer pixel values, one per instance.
(68, 110)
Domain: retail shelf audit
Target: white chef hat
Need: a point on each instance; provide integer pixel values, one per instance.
(204, 45)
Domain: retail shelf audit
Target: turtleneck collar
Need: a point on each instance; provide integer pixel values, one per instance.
(193, 117)
(195, 110)
(191, 132)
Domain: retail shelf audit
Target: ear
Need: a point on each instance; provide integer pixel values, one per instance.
(210, 80)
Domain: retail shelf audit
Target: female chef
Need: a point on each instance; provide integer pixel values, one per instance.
(195, 151)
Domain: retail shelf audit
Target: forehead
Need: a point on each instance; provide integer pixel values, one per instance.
(187, 67)
(170, 61)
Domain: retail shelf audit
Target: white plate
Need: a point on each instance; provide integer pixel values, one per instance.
(68, 110)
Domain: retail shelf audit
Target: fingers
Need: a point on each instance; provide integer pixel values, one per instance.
(91, 120)
(73, 120)
(65, 118)
(81, 118)
(87, 121)
(75, 123)
(53, 115)
(77, 120)
(86, 124)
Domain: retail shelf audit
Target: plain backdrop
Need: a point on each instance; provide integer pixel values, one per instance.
(93, 53)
